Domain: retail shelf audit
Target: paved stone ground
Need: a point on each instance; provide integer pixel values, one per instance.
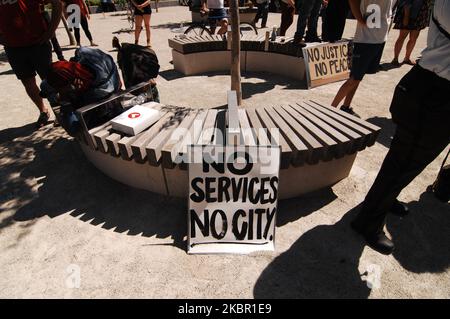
(57, 210)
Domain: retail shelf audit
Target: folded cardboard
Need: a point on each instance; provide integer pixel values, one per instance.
(136, 119)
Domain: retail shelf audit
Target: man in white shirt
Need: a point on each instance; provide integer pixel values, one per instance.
(374, 17)
(216, 14)
(421, 110)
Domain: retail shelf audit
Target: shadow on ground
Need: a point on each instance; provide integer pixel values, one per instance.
(422, 239)
(170, 25)
(322, 263)
(387, 129)
(69, 184)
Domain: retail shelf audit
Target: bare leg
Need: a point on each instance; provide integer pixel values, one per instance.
(413, 35)
(223, 27)
(349, 98)
(399, 44)
(346, 91)
(33, 92)
(147, 28)
(138, 27)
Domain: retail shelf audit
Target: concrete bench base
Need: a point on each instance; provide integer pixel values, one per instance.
(251, 61)
(294, 181)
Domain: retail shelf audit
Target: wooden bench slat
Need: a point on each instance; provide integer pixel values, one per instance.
(180, 151)
(93, 131)
(100, 138)
(260, 133)
(316, 148)
(314, 138)
(297, 144)
(248, 137)
(219, 137)
(111, 141)
(207, 133)
(344, 143)
(287, 153)
(359, 139)
(367, 129)
(161, 133)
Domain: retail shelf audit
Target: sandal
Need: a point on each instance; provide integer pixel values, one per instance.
(409, 62)
(43, 119)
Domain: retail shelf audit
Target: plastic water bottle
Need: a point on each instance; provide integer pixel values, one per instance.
(273, 36)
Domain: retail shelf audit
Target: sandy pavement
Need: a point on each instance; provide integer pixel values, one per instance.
(59, 214)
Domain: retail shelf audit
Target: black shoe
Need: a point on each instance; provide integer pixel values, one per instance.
(399, 209)
(378, 242)
(349, 110)
(313, 39)
(299, 42)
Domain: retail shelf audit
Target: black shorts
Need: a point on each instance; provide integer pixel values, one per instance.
(145, 10)
(366, 59)
(27, 61)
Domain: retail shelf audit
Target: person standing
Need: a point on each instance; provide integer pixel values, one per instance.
(25, 36)
(142, 13)
(421, 110)
(373, 18)
(263, 12)
(308, 14)
(412, 16)
(84, 17)
(333, 20)
(287, 15)
(54, 41)
(108, 6)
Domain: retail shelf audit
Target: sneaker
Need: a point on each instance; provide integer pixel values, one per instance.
(42, 119)
(399, 209)
(349, 110)
(378, 242)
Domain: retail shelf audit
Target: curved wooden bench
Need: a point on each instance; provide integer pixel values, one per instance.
(318, 143)
(202, 54)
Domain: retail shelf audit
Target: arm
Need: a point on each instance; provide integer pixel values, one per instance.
(204, 6)
(54, 20)
(87, 9)
(355, 7)
(291, 3)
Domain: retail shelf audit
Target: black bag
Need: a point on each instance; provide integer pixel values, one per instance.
(441, 187)
(138, 64)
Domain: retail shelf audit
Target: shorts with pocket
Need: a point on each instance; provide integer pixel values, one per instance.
(27, 61)
(366, 59)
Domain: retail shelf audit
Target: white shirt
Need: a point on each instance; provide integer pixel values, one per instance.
(215, 4)
(436, 56)
(378, 14)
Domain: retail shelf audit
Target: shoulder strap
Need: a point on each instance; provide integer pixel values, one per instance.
(440, 28)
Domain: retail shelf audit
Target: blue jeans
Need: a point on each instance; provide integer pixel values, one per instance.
(308, 13)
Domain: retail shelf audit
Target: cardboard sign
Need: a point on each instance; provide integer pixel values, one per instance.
(327, 63)
(136, 119)
(233, 197)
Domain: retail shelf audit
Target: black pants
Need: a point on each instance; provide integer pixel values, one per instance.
(263, 13)
(84, 24)
(333, 20)
(413, 147)
(54, 40)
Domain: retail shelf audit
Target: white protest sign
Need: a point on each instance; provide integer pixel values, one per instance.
(326, 63)
(233, 197)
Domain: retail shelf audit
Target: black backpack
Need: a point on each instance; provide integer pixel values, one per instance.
(138, 64)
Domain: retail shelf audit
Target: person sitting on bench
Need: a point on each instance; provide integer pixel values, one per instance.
(89, 77)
